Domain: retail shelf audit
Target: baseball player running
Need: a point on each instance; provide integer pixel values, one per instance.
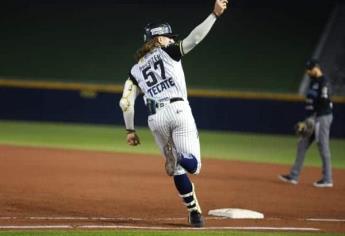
(159, 75)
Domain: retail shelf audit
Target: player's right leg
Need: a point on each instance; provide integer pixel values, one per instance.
(186, 148)
(302, 147)
(182, 182)
(186, 191)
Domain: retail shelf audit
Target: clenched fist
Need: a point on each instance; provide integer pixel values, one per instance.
(219, 7)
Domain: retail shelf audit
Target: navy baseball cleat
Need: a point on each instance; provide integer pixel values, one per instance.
(288, 179)
(323, 184)
(196, 219)
(170, 160)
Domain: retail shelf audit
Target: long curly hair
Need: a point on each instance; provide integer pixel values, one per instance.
(146, 48)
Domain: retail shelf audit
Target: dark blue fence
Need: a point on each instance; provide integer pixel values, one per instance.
(244, 115)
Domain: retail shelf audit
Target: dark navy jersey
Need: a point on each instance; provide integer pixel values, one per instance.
(174, 50)
(317, 98)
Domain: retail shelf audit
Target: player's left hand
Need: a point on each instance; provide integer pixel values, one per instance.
(300, 127)
(305, 128)
(133, 139)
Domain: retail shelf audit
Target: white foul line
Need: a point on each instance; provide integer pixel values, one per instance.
(57, 218)
(326, 220)
(96, 226)
(204, 228)
(152, 228)
(36, 227)
(101, 218)
(84, 218)
(268, 228)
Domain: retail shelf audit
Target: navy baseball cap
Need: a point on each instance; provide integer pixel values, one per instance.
(311, 63)
(158, 29)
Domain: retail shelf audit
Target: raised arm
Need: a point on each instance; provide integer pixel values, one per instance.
(200, 32)
(130, 93)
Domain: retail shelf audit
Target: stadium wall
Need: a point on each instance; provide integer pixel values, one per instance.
(250, 114)
(260, 48)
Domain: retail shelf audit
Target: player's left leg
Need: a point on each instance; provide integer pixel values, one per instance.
(186, 160)
(186, 144)
(188, 151)
(322, 132)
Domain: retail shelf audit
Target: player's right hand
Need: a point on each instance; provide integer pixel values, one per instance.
(133, 139)
(219, 7)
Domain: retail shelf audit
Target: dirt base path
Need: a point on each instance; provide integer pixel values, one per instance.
(78, 189)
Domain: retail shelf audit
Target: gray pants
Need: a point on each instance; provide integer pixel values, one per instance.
(321, 136)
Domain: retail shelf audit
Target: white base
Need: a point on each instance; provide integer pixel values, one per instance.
(235, 213)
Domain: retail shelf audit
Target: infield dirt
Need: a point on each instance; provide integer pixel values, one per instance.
(44, 186)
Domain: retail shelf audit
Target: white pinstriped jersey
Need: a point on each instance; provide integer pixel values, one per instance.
(159, 74)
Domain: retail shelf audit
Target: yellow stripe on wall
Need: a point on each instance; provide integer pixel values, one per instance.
(113, 88)
(60, 85)
(244, 95)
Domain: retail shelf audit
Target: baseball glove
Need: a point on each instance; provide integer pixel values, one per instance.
(305, 128)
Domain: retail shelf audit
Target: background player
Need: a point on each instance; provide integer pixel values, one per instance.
(158, 74)
(319, 109)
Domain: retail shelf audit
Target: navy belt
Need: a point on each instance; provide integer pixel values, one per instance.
(175, 99)
(152, 105)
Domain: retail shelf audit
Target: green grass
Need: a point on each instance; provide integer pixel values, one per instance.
(279, 149)
(160, 233)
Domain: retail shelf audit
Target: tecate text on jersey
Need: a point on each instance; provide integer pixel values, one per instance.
(161, 86)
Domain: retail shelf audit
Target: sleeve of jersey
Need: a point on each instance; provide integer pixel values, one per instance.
(174, 51)
(324, 89)
(310, 105)
(198, 34)
(323, 99)
(127, 103)
(133, 79)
